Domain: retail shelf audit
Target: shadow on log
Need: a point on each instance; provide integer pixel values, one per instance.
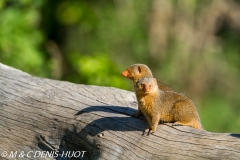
(49, 119)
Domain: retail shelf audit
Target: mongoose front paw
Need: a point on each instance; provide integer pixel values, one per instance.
(147, 130)
(152, 131)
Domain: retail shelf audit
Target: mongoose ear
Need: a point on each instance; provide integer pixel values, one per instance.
(155, 80)
(139, 69)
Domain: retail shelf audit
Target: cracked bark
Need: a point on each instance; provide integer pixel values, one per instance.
(38, 114)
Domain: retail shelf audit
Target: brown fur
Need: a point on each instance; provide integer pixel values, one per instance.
(165, 106)
(136, 71)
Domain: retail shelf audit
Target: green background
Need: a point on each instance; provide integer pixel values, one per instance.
(191, 45)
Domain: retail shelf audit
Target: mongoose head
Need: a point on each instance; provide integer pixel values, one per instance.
(137, 71)
(146, 85)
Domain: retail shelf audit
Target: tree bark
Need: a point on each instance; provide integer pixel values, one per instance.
(40, 116)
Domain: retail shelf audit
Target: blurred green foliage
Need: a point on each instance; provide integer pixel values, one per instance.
(104, 72)
(20, 36)
(192, 46)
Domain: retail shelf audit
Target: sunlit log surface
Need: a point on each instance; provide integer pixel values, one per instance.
(40, 116)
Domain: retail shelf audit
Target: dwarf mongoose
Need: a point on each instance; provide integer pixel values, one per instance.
(165, 106)
(137, 71)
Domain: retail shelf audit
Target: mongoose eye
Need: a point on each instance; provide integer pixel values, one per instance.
(142, 86)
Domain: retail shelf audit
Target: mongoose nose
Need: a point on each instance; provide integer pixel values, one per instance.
(125, 73)
(147, 89)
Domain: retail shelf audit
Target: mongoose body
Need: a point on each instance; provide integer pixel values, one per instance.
(136, 71)
(165, 106)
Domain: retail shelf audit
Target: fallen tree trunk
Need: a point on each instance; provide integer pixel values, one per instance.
(49, 119)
